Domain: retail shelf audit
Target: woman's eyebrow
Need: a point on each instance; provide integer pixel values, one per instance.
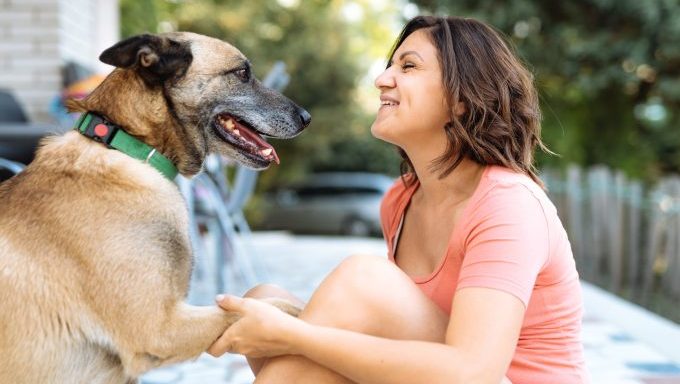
(404, 54)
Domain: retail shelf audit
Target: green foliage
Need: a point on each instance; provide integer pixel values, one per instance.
(139, 16)
(325, 54)
(604, 68)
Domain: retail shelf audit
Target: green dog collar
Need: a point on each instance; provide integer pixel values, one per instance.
(99, 129)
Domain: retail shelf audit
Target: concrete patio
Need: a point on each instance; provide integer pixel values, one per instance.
(624, 344)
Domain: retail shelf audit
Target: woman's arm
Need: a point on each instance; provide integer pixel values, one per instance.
(480, 342)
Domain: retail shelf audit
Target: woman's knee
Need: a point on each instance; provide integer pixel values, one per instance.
(344, 288)
(371, 295)
(366, 277)
(268, 291)
(358, 268)
(262, 291)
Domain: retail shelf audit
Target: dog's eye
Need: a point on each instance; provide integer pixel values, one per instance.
(243, 74)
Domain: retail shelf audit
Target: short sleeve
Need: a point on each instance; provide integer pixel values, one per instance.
(507, 243)
(390, 206)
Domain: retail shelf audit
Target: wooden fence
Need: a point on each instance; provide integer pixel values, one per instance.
(625, 237)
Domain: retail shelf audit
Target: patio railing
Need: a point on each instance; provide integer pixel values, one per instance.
(625, 236)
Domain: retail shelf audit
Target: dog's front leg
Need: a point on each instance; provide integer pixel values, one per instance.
(187, 332)
(183, 334)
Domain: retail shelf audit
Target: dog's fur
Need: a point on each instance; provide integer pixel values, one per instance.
(95, 257)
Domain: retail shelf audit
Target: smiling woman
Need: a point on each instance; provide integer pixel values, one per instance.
(480, 284)
(487, 87)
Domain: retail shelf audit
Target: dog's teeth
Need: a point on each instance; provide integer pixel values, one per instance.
(236, 132)
(230, 124)
(266, 152)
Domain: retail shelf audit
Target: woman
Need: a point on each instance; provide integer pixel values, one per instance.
(480, 285)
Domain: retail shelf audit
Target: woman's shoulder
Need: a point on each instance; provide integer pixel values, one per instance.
(505, 176)
(504, 189)
(502, 179)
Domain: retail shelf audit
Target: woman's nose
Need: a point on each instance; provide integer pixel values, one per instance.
(385, 79)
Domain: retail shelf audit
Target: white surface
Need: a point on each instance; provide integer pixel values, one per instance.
(645, 326)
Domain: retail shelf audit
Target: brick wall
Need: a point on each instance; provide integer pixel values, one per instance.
(38, 36)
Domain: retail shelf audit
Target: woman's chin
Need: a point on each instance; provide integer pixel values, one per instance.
(381, 135)
(377, 132)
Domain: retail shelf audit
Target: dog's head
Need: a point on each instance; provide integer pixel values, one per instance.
(211, 93)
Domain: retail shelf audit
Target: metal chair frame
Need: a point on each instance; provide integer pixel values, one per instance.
(12, 166)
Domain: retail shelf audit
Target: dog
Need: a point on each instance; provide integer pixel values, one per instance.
(95, 256)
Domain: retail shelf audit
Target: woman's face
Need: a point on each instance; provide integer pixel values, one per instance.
(413, 107)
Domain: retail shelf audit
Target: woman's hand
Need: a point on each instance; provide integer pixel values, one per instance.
(262, 331)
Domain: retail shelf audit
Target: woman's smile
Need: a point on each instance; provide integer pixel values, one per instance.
(388, 101)
(412, 101)
(387, 104)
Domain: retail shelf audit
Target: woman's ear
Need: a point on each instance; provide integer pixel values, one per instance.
(459, 109)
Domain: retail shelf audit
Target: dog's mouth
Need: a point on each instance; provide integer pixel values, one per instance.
(245, 138)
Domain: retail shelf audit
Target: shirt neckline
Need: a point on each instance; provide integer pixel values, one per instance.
(464, 215)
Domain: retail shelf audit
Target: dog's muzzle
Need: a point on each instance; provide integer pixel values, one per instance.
(245, 138)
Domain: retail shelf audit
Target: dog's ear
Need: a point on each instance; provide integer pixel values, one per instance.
(156, 58)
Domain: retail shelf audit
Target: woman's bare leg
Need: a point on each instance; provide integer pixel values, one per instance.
(365, 294)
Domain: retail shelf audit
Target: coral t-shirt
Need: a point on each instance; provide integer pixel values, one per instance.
(510, 238)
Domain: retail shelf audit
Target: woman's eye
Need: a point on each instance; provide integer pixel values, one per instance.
(406, 66)
(243, 74)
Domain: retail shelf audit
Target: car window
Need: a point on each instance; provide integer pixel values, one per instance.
(358, 190)
(323, 191)
(314, 191)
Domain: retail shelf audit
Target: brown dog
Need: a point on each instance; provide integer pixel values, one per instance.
(95, 257)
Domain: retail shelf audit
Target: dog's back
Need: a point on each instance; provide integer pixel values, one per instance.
(51, 274)
(50, 332)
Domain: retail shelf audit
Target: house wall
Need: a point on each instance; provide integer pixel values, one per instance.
(37, 37)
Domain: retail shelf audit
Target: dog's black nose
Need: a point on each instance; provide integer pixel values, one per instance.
(305, 117)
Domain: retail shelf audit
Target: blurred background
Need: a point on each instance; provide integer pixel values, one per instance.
(608, 73)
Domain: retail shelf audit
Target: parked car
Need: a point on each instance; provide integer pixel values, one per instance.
(337, 202)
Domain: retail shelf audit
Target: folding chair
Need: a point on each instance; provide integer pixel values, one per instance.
(11, 166)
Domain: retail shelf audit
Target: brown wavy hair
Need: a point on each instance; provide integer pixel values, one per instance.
(501, 124)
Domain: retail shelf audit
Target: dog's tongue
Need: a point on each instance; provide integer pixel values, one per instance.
(265, 149)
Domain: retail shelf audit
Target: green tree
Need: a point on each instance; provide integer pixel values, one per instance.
(608, 72)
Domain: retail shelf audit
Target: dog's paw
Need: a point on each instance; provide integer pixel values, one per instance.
(230, 318)
(284, 305)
